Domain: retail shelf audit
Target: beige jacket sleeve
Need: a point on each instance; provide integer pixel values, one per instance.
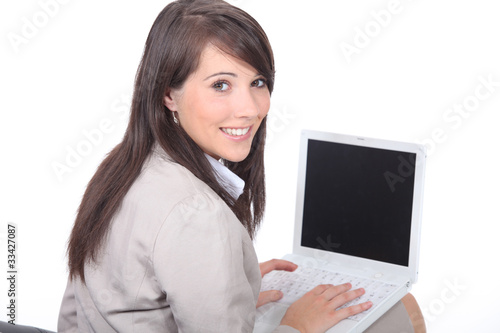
(207, 267)
(67, 321)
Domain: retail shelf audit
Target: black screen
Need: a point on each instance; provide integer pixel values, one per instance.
(358, 201)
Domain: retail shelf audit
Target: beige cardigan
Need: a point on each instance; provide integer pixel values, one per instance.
(176, 260)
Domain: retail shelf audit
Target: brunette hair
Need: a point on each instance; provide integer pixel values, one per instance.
(177, 38)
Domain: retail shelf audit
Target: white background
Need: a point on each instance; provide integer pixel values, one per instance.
(77, 69)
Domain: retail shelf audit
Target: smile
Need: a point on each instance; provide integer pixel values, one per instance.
(236, 131)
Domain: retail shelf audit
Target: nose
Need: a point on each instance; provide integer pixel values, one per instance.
(248, 104)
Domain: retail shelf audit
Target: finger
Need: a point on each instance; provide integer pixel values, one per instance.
(277, 264)
(346, 297)
(320, 289)
(269, 296)
(335, 291)
(353, 309)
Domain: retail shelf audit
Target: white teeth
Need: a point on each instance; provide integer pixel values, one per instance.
(236, 132)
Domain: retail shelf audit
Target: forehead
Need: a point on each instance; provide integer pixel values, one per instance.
(213, 60)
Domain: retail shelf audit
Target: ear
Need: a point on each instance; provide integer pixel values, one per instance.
(170, 100)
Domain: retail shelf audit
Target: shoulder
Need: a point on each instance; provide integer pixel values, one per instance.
(167, 195)
(188, 206)
(164, 183)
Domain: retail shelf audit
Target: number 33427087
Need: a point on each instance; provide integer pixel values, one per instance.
(11, 245)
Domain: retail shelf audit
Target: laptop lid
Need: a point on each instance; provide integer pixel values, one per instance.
(359, 202)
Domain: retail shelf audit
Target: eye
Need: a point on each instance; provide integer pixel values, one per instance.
(221, 86)
(259, 83)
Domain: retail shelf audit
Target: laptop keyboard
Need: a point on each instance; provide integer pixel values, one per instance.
(295, 284)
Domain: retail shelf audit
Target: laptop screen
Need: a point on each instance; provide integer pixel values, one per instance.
(358, 201)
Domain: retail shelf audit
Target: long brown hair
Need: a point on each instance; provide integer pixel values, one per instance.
(172, 51)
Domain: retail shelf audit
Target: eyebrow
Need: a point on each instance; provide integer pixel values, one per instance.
(221, 73)
(226, 73)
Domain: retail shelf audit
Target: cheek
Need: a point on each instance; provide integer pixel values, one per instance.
(264, 105)
(215, 110)
(201, 112)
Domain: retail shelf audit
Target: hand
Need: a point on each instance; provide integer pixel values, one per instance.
(315, 312)
(269, 266)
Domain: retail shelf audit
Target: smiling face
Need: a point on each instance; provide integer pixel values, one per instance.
(221, 105)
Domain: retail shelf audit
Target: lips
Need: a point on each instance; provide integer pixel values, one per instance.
(235, 131)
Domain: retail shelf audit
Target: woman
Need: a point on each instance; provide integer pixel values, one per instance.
(163, 237)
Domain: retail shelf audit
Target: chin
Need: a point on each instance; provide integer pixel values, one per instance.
(236, 156)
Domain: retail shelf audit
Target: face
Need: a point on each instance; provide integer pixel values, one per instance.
(221, 105)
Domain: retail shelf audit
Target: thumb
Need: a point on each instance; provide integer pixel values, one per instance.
(269, 296)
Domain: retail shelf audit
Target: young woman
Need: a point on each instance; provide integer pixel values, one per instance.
(163, 237)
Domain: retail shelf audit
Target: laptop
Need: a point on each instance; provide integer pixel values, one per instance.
(358, 219)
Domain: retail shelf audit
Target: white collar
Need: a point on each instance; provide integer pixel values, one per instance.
(233, 184)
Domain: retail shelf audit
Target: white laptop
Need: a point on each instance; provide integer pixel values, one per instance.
(358, 218)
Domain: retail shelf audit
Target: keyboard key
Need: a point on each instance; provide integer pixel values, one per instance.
(295, 284)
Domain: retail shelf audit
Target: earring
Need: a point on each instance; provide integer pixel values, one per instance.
(175, 118)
